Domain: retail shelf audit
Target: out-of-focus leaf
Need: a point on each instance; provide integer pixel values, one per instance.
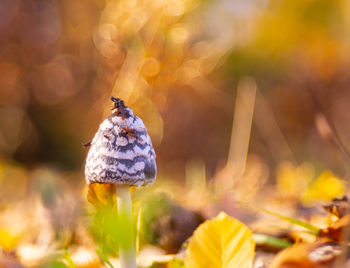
(292, 180)
(339, 206)
(304, 255)
(325, 188)
(166, 224)
(153, 209)
(102, 195)
(221, 242)
(298, 233)
(68, 259)
(267, 240)
(104, 258)
(335, 231)
(176, 263)
(54, 264)
(8, 241)
(293, 257)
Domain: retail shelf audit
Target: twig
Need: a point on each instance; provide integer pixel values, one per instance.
(327, 128)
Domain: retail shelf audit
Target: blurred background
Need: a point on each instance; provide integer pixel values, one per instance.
(208, 78)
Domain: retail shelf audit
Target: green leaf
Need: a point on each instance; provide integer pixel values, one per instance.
(104, 258)
(68, 259)
(263, 239)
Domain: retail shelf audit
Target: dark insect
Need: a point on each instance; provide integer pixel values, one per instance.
(119, 106)
(87, 144)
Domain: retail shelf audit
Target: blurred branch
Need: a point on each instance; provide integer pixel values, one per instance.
(242, 123)
(240, 135)
(271, 132)
(326, 127)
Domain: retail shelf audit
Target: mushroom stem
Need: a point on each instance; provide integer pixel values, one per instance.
(127, 254)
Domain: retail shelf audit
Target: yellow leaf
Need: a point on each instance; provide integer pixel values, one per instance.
(292, 180)
(8, 241)
(222, 242)
(326, 187)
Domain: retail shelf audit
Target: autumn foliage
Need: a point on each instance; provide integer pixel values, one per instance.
(247, 106)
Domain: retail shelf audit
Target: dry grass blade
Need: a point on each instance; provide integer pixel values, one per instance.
(305, 225)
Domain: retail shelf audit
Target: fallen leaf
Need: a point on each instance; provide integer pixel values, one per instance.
(303, 255)
(296, 256)
(326, 187)
(102, 194)
(339, 206)
(335, 230)
(8, 241)
(219, 243)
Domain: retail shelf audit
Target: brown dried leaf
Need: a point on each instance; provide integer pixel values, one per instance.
(334, 231)
(339, 206)
(102, 195)
(316, 255)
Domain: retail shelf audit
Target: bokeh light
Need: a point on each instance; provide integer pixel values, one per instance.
(245, 102)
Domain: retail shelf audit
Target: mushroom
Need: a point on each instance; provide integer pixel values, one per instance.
(121, 153)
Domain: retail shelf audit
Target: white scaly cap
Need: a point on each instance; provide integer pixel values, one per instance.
(121, 151)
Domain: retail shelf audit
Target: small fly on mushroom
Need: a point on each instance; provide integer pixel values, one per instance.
(121, 155)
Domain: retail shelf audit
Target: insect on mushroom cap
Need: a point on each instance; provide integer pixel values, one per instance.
(121, 151)
(118, 103)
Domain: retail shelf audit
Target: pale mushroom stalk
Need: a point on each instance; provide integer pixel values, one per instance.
(127, 254)
(121, 153)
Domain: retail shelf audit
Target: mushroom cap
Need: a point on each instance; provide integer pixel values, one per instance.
(121, 152)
